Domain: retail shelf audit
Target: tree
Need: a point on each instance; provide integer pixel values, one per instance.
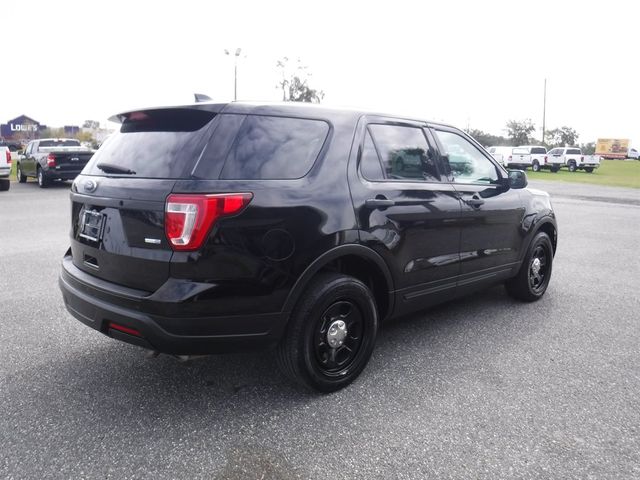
(487, 139)
(519, 132)
(588, 148)
(561, 137)
(92, 124)
(294, 84)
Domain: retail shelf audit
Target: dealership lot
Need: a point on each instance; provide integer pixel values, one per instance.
(484, 387)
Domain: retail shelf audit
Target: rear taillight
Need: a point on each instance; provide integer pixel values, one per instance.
(51, 160)
(582, 159)
(545, 159)
(188, 218)
(509, 158)
(8, 157)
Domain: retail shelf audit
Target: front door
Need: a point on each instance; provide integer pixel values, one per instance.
(492, 214)
(407, 211)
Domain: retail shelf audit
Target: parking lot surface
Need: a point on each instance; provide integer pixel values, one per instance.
(483, 387)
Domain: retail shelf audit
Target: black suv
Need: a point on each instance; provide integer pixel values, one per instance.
(213, 228)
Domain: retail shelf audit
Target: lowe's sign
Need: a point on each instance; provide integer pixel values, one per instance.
(20, 127)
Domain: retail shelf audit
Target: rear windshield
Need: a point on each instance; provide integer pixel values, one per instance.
(538, 150)
(520, 151)
(58, 143)
(155, 144)
(574, 151)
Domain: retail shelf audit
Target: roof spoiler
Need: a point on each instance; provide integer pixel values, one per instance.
(202, 98)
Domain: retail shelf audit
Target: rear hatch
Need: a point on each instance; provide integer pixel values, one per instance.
(118, 202)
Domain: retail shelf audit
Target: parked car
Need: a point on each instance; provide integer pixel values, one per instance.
(633, 153)
(49, 159)
(5, 168)
(241, 226)
(501, 153)
(538, 159)
(573, 159)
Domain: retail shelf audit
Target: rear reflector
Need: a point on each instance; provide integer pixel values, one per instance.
(189, 218)
(122, 328)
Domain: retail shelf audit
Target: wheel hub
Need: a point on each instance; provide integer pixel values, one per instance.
(535, 266)
(336, 334)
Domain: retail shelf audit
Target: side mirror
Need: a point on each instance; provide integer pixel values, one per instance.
(517, 179)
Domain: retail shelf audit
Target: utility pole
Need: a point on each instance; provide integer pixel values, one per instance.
(235, 71)
(544, 109)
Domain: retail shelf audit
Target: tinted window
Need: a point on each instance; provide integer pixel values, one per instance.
(574, 151)
(274, 148)
(404, 152)
(370, 162)
(156, 143)
(467, 163)
(218, 146)
(538, 150)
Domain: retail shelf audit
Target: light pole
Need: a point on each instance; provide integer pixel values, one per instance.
(235, 71)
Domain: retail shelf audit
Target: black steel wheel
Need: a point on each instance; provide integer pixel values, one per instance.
(572, 166)
(534, 275)
(331, 333)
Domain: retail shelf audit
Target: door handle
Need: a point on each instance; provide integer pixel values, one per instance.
(379, 202)
(474, 202)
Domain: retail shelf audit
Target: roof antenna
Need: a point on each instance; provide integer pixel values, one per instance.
(202, 98)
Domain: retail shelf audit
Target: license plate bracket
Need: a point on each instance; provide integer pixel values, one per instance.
(92, 225)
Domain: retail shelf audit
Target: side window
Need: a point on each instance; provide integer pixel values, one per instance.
(404, 153)
(467, 163)
(370, 166)
(269, 148)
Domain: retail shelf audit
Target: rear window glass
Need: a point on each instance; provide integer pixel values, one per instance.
(538, 150)
(155, 144)
(58, 143)
(520, 151)
(573, 151)
(269, 148)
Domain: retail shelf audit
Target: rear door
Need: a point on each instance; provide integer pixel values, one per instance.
(119, 200)
(406, 210)
(492, 214)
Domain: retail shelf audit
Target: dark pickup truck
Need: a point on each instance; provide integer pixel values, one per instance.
(49, 159)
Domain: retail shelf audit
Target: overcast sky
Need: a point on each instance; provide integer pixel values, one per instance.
(469, 63)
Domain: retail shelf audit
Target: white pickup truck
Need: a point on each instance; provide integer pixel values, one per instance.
(573, 159)
(512, 157)
(5, 168)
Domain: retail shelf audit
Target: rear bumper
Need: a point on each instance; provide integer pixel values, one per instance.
(61, 174)
(99, 304)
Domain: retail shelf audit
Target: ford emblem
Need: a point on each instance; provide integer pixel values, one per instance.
(90, 186)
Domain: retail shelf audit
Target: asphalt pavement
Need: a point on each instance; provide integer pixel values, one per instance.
(484, 387)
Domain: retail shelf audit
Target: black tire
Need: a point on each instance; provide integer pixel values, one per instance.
(305, 354)
(533, 278)
(19, 175)
(555, 169)
(572, 166)
(535, 166)
(588, 169)
(43, 182)
(5, 185)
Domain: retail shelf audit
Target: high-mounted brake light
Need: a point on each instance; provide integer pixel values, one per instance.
(189, 218)
(51, 160)
(8, 157)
